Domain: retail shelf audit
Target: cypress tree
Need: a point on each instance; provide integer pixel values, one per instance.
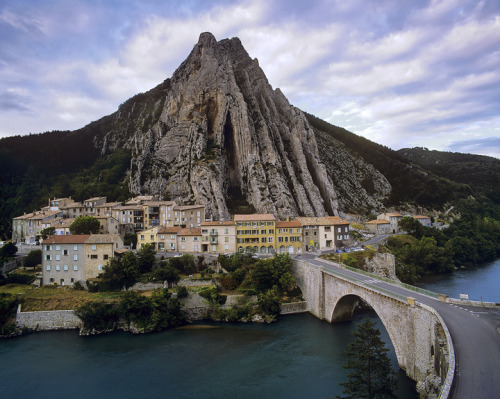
(371, 374)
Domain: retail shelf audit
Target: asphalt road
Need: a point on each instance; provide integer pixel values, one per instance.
(475, 333)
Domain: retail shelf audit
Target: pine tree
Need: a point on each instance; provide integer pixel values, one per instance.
(371, 375)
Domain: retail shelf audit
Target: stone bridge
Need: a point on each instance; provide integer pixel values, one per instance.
(418, 334)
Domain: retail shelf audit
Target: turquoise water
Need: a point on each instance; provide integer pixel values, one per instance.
(297, 357)
(480, 282)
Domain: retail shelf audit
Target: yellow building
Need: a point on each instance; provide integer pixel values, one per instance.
(148, 236)
(256, 232)
(289, 236)
(99, 249)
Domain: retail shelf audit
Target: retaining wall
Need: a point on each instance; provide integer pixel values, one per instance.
(47, 320)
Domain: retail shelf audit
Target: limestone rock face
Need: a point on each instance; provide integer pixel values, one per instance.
(218, 129)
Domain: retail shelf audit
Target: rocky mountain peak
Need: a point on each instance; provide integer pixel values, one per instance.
(217, 133)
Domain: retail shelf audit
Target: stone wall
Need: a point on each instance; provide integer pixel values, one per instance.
(48, 320)
(11, 265)
(294, 307)
(187, 282)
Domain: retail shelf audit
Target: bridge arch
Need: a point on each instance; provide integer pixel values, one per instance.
(345, 306)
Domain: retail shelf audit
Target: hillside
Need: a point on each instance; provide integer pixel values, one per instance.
(479, 172)
(410, 182)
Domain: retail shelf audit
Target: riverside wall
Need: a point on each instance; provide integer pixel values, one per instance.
(47, 320)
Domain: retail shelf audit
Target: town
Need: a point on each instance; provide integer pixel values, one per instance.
(170, 227)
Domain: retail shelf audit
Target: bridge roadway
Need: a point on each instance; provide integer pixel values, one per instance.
(475, 333)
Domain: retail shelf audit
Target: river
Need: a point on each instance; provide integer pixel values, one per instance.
(478, 283)
(297, 357)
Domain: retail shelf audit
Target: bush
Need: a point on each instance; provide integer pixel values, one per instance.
(98, 315)
(17, 278)
(213, 297)
(270, 302)
(182, 292)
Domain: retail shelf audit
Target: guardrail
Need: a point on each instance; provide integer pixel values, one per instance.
(389, 280)
(373, 287)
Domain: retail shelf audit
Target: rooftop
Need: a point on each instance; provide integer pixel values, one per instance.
(315, 221)
(192, 231)
(291, 223)
(69, 239)
(254, 217)
(380, 221)
(218, 223)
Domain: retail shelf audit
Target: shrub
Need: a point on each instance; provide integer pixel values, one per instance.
(98, 315)
(182, 292)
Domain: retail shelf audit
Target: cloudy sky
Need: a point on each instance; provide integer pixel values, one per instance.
(401, 73)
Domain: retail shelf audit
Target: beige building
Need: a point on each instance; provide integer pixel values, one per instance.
(99, 249)
(218, 237)
(62, 227)
(158, 213)
(188, 216)
(189, 240)
(131, 215)
(379, 227)
(393, 218)
(167, 238)
(318, 233)
(26, 229)
(70, 258)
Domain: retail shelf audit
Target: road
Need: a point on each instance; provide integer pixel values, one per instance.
(475, 333)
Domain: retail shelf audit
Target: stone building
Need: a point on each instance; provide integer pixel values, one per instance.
(218, 237)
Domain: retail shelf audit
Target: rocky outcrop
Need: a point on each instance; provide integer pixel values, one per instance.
(217, 129)
(359, 186)
(381, 264)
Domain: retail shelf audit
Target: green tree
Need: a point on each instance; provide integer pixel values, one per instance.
(166, 272)
(146, 257)
(122, 271)
(270, 301)
(33, 259)
(130, 239)
(371, 374)
(98, 315)
(48, 231)
(8, 250)
(85, 225)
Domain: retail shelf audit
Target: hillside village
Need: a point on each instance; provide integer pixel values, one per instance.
(170, 227)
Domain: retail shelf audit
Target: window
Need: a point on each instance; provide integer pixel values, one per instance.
(152, 237)
(345, 229)
(52, 280)
(94, 247)
(93, 256)
(280, 239)
(162, 237)
(105, 256)
(58, 257)
(48, 247)
(263, 239)
(196, 238)
(270, 239)
(183, 239)
(226, 231)
(226, 247)
(339, 229)
(58, 268)
(75, 257)
(75, 267)
(48, 257)
(48, 268)
(172, 236)
(75, 247)
(99, 267)
(142, 237)
(214, 248)
(66, 268)
(280, 231)
(58, 247)
(226, 239)
(65, 252)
